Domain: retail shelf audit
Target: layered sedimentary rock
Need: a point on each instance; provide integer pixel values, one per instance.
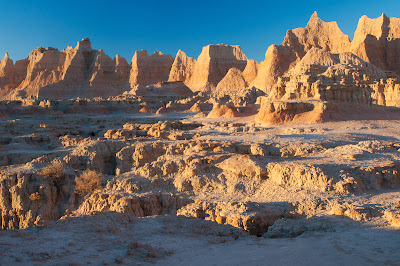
(321, 75)
(11, 75)
(250, 72)
(73, 72)
(233, 80)
(312, 90)
(224, 111)
(150, 69)
(162, 89)
(84, 72)
(182, 68)
(378, 41)
(317, 33)
(214, 63)
(279, 59)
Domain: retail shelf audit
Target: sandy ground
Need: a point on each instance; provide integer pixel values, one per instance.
(115, 238)
(107, 238)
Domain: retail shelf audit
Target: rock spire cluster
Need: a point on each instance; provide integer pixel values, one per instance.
(84, 72)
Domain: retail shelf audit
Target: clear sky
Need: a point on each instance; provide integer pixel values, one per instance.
(121, 27)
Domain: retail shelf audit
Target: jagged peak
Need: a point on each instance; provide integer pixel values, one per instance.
(384, 16)
(180, 53)
(314, 18)
(141, 52)
(6, 56)
(158, 53)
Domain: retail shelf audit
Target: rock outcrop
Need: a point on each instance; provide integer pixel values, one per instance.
(317, 33)
(378, 41)
(321, 75)
(223, 111)
(232, 81)
(250, 72)
(214, 63)
(182, 68)
(152, 69)
(176, 89)
(279, 59)
(73, 72)
(219, 70)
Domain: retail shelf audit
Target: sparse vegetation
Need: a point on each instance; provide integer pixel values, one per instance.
(88, 182)
(55, 172)
(34, 196)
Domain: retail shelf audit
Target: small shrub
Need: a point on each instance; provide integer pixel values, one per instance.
(34, 196)
(54, 172)
(88, 182)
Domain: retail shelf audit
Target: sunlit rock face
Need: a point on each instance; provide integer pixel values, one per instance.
(150, 69)
(214, 63)
(378, 41)
(70, 73)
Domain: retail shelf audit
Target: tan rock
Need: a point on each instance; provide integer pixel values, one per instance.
(250, 72)
(307, 112)
(317, 33)
(148, 70)
(182, 68)
(73, 72)
(177, 88)
(279, 59)
(242, 166)
(232, 81)
(223, 111)
(377, 41)
(214, 63)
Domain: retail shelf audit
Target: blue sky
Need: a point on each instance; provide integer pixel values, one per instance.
(121, 27)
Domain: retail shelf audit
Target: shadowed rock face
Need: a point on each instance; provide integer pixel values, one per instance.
(378, 41)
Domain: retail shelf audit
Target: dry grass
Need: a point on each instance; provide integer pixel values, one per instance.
(34, 196)
(55, 172)
(88, 182)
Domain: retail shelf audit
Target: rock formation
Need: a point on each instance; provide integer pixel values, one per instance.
(378, 41)
(214, 63)
(219, 70)
(321, 75)
(73, 72)
(177, 89)
(279, 59)
(250, 72)
(317, 33)
(148, 70)
(232, 81)
(223, 111)
(182, 68)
